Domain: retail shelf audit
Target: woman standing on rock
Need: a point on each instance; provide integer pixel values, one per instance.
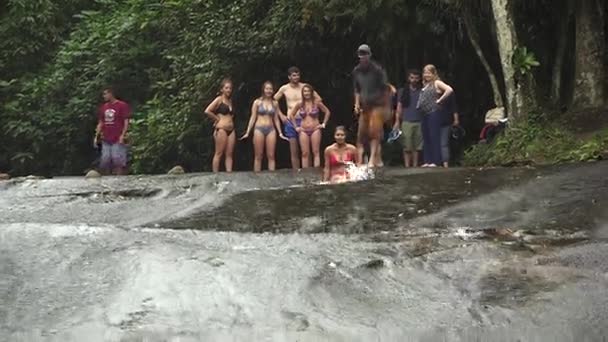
(265, 113)
(430, 103)
(310, 130)
(221, 112)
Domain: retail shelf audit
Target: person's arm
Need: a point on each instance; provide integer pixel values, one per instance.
(456, 121)
(317, 96)
(127, 116)
(280, 113)
(399, 110)
(252, 119)
(326, 111)
(397, 119)
(445, 89)
(123, 134)
(326, 171)
(277, 121)
(357, 91)
(211, 108)
(292, 116)
(280, 93)
(98, 131)
(357, 155)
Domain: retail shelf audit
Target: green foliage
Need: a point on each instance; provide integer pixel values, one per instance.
(166, 59)
(538, 141)
(524, 60)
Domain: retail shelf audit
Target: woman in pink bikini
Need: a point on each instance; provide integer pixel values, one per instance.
(310, 129)
(337, 156)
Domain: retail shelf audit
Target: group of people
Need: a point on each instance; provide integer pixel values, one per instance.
(420, 113)
(425, 113)
(302, 124)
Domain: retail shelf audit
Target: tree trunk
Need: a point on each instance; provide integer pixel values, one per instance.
(507, 43)
(558, 64)
(474, 39)
(589, 53)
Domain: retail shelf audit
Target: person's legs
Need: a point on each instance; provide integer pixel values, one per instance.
(379, 161)
(258, 150)
(271, 143)
(119, 159)
(305, 147)
(294, 150)
(315, 140)
(363, 133)
(221, 140)
(375, 131)
(407, 143)
(105, 162)
(417, 142)
(426, 138)
(230, 151)
(435, 137)
(445, 145)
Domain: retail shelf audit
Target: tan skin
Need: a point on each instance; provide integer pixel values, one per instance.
(340, 149)
(262, 121)
(292, 92)
(224, 143)
(312, 142)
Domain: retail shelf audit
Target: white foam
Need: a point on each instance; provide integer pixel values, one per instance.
(359, 173)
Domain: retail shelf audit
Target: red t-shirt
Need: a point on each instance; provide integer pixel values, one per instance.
(112, 117)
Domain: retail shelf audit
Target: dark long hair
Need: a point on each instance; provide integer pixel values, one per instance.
(264, 86)
(224, 82)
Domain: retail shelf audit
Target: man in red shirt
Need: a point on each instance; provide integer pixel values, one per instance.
(113, 122)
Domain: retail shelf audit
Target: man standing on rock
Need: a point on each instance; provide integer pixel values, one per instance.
(293, 97)
(410, 118)
(113, 122)
(371, 87)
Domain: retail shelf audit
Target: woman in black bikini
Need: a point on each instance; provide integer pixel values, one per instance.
(265, 113)
(310, 129)
(220, 111)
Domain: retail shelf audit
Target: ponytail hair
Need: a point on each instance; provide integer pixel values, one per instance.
(223, 84)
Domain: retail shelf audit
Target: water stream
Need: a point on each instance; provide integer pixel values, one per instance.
(424, 255)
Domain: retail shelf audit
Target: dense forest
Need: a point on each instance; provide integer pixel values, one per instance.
(545, 61)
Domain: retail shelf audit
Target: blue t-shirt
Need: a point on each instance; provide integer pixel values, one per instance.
(409, 104)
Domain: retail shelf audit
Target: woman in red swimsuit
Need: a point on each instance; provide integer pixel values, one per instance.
(310, 130)
(336, 157)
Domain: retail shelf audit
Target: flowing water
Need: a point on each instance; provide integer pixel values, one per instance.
(451, 255)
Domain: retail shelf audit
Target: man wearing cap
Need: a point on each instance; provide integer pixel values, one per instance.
(371, 86)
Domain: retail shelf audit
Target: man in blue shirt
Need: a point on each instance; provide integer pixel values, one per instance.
(410, 118)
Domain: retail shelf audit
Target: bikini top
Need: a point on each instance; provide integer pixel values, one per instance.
(348, 157)
(314, 112)
(262, 110)
(224, 109)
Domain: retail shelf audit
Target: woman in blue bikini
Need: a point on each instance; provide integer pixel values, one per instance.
(264, 119)
(310, 129)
